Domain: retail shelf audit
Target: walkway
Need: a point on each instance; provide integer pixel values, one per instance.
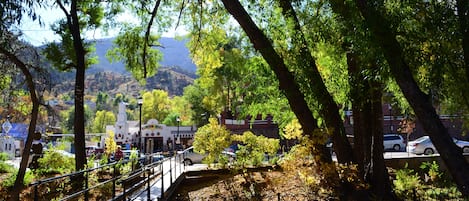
(171, 172)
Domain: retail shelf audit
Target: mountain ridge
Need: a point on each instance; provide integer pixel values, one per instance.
(175, 53)
(176, 71)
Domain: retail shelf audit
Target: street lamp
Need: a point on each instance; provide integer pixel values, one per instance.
(140, 103)
(179, 121)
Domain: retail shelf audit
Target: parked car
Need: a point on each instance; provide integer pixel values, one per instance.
(94, 150)
(128, 152)
(190, 157)
(156, 157)
(424, 145)
(393, 141)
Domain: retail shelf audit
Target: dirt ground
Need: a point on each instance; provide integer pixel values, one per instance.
(270, 185)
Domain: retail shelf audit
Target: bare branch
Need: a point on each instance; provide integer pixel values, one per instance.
(147, 37)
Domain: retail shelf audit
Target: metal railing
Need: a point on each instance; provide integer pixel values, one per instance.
(123, 180)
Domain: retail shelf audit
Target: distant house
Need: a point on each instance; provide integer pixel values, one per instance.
(17, 137)
(155, 137)
(7, 145)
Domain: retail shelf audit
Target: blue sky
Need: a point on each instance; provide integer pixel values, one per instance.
(39, 35)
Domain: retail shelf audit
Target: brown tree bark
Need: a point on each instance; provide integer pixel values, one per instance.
(368, 131)
(329, 109)
(18, 186)
(419, 101)
(378, 173)
(287, 82)
(79, 121)
(358, 91)
(73, 24)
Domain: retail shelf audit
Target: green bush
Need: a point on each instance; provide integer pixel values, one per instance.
(54, 162)
(4, 156)
(10, 181)
(6, 168)
(407, 183)
(253, 149)
(432, 171)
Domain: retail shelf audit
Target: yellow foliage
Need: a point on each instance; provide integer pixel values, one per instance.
(293, 130)
(110, 143)
(211, 139)
(304, 160)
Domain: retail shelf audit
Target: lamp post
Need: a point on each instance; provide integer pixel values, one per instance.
(140, 103)
(178, 120)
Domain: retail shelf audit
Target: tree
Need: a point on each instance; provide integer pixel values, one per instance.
(102, 101)
(68, 119)
(386, 37)
(110, 143)
(253, 148)
(327, 107)
(463, 16)
(156, 105)
(200, 112)
(211, 139)
(102, 119)
(13, 53)
(72, 53)
(11, 12)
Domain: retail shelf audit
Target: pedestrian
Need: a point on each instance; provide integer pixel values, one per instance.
(119, 154)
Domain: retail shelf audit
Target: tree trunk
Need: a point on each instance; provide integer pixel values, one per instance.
(287, 82)
(419, 101)
(360, 106)
(329, 109)
(368, 131)
(378, 177)
(73, 24)
(79, 121)
(18, 186)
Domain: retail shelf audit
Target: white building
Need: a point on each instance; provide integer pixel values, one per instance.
(7, 142)
(155, 137)
(8, 145)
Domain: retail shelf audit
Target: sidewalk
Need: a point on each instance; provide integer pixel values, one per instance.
(169, 178)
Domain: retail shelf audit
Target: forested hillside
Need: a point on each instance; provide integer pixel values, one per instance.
(176, 72)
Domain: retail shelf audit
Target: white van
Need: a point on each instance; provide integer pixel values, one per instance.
(190, 157)
(393, 142)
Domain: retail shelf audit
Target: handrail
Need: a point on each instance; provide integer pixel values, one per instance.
(147, 167)
(43, 181)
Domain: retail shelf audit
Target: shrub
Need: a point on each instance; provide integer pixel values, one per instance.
(407, 183)
(433, 171)
(6, 168)
(10, 181)
(4, 156)
(54, 162)
(254, 148)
